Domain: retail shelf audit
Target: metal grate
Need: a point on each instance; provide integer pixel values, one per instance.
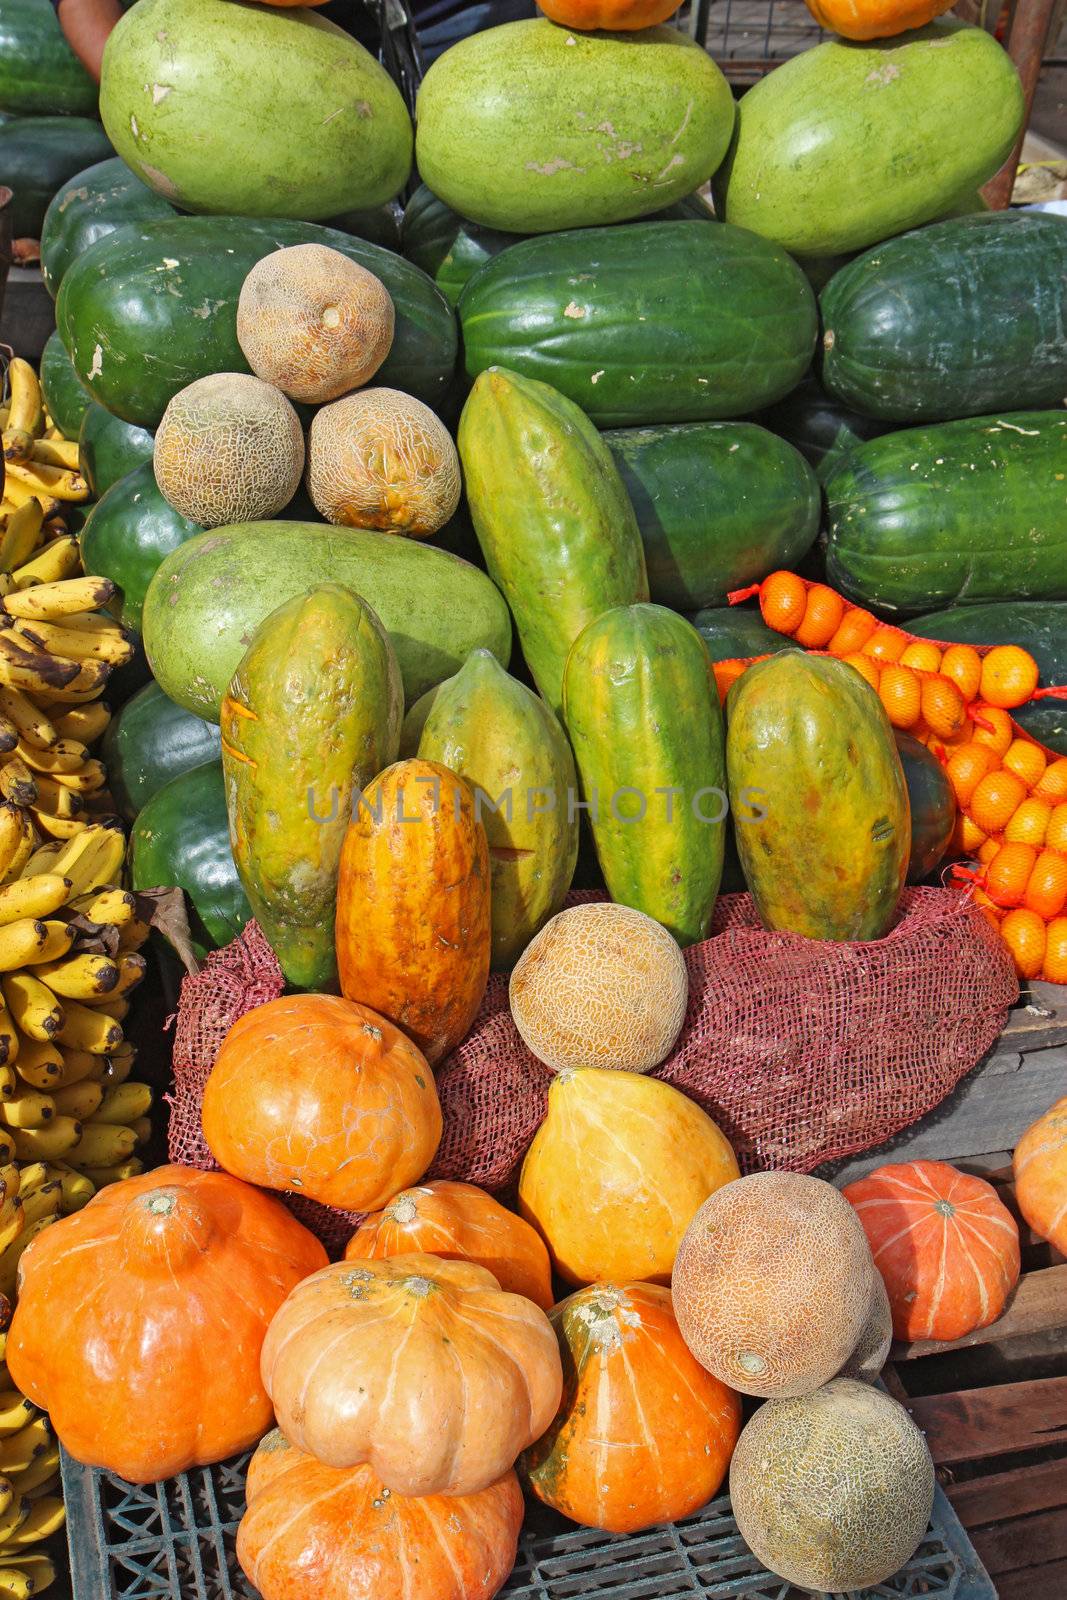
(748, 37)
(175, 1541)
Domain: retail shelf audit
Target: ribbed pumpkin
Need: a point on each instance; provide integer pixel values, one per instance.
(459, 1222)
(381, 459)
(875, 19)
(413, 924)
(772, 1285)
(1041, 1175)
(313, 1532)
(616, 1172)
(421, 1368)
(643, 1435)
(314, 322)
(506, 744)
(614, 16)
(162, 1287)
(323, 1097)
(229, 449)
(832, 1490)
(600, 986)
(946, 1247)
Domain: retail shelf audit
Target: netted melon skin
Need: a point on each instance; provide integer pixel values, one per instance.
(313, 322)
(772, 1284)
(833, 1491)
(601, 985)
(230, 448)
(872, 1351)
(381, 459)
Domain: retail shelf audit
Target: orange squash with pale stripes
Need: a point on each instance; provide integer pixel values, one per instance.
(423, 1369)
(945, 1245)
(459, 1222)
(1041, 1175)
(644, 1435)
(313, 1531)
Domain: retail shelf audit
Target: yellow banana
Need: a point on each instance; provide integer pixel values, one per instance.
(17, 784)
(58, 483)
(54, 562)
(9, 1038)
(92, 859)
(109, 905)
(118, 1066)
(35, 1010)
(9, 1082)
(66, 755)
(85, 1029)
(79, 977)
(39, 1064)
(7, 1146)
(12, 1256)
(23, 667)
(53, 827)
(12, 1222)
(35, 897)
(59, 936)
(17, 495)
(15, 1583)
(90, 777)
(10, 1185)
(77, 1065)
(22, 942)
(44, 1202)
(13, 825)
(40, 1476)
(56, 453)
(50, 1143)
(124, 1104)
(44, 859)
(46, 1517)
(7, 1494)
(54, 801)
(78, 644)
(84, 723)
(77, 1190)
(102, 1176)
(142, 1129)
(133, 936)
(15, 1411)
(115, 1006)
(32, 1177)
(102, 1144)
(27, 1109)
(47, 601)
(79, 1100)
(19, 538)
(25, 417)
(13, 1519)
(38, 1567)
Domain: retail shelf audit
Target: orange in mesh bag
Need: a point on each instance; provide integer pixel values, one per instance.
(802, 1051)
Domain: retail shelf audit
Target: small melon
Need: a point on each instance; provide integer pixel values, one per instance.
(833, 1491)
(616, 1172)
(229, 449)
(381, 459)
(872, 1351)
(313, 322)
(601, 985)
(772, 1285)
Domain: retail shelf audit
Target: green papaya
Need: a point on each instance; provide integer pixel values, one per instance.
(818, 796)
(510, 748)
(313, 713)
(181, 839)
(109, 449)
(643, 716)
(149, 742)
(64, 394)
(129, 533)
(556, 527)
(932, 802)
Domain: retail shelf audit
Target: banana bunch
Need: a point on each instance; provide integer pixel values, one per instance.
(41, 465)
(31, 1509)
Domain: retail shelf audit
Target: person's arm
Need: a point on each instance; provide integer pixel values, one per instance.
(86, 25)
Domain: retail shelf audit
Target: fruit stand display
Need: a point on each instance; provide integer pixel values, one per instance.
(577, 583)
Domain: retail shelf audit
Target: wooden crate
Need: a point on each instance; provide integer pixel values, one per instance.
(993, 1407)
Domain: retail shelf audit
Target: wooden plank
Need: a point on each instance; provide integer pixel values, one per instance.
(990, 1111)
(1034, 1583)
(974, 1424)
(1039, 1020)
(1039, 1305)
(1009, 1494)
(1022, 1542)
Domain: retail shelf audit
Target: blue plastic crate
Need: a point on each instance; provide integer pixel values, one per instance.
(175, 1541)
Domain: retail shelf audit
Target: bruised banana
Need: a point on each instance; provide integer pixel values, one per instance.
(57, 483)
(46, 602)
(19, 539)
(25, 416)
(36, 897)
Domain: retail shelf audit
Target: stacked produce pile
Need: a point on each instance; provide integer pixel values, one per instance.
(337, 466)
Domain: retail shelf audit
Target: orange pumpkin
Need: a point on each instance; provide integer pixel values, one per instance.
(319, 1095)
(459, 1223)
(422, 1368)
(644, 1434)
(875, 19)
(140, 1320)
(615, 16)
(413, 904)
(313, 1532)
(946, 1247)
(1041, 1175)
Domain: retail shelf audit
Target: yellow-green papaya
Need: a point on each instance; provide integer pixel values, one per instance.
(313, 713)
(819, 798)
(507, 744)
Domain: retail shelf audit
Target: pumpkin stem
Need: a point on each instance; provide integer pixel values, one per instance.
(166, 1227)
(944, 1208)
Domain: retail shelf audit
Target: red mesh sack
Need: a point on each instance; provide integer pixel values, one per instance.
(803, 1051)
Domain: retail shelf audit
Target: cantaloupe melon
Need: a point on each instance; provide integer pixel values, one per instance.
(601, 985)
(313, 322)
(615, 1173)
(872, 1351)
(833, 1490)
(772, 1285)
(381, 459)
(229, 449)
